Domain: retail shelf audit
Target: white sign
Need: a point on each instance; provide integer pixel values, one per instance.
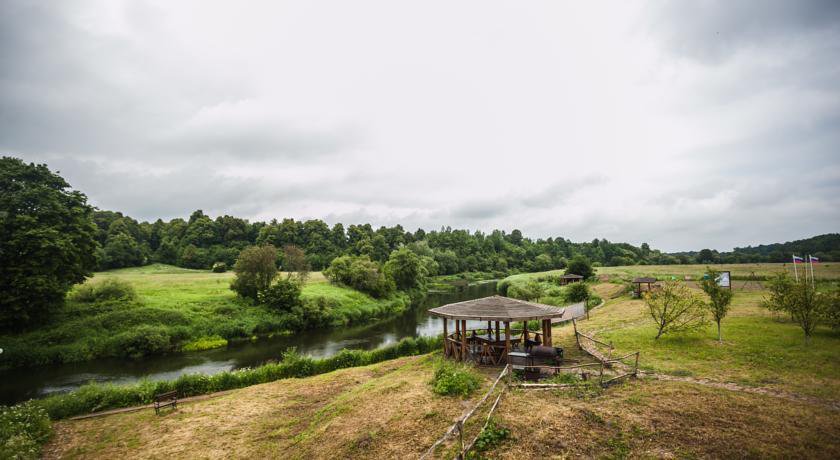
(723, 280)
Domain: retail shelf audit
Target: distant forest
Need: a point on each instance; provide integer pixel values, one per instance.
(200, 242)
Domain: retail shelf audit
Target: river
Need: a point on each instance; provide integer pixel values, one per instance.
(32, 382)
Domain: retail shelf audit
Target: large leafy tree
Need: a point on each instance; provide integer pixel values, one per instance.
(675, 308)
(47, 242)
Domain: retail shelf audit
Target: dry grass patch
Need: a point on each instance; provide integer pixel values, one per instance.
(665, 419)
(385, 410)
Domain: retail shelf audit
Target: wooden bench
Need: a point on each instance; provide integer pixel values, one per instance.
(170, 398)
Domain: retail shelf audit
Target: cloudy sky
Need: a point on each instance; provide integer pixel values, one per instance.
(684, 125)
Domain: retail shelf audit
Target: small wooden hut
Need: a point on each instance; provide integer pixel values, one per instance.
(492, 345)
(570, 278)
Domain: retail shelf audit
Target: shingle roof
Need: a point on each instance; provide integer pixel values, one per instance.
(497, 308)
(572, 276)
(644, 280)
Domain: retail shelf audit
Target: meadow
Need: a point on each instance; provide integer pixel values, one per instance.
(390, 409)
(176, 309)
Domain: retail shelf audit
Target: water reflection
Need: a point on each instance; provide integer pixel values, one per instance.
(20, 384)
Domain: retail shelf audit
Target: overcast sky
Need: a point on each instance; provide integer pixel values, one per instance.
(681, 124)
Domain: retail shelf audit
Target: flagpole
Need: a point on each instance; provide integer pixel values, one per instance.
(811, 263)
(796, 273)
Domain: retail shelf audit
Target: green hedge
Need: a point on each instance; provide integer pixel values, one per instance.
(97, 397)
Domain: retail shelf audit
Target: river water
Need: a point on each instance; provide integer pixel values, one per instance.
(24, 383)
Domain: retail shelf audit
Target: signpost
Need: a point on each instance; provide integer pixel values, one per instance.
(724, 280)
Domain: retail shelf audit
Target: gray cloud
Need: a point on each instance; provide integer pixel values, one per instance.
(683, 125)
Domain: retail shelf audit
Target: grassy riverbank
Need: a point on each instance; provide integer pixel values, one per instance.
(175, 309)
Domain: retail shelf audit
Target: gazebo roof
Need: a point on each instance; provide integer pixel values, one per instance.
(572, 276)
(644, 280)
(497, 308)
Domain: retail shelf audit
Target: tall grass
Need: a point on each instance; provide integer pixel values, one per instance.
(97, 397)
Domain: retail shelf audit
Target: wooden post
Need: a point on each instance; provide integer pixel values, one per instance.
(456, 353)
(497, 331)
(577, 338)
(489, 329)
(445, 337)
(463, 340)
(507, 341)
(636, 368)
(461, 436)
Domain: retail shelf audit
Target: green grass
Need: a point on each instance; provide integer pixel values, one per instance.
(175, 308)
(758, 349)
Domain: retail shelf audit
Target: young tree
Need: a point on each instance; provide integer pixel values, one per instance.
(719, 297)
(579, 292)
(47, 242)
(675, 308)
(255, 268)
(580, 266)
(800, 300)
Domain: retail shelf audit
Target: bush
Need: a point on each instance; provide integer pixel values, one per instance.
(282, 296)
(141, 341)
(489, 438)
(24, 428)
(455, 379)
(107, 289)
(97, 397)
(205, 343)
(577, 292)
(362, 274)
(580, 266)
(219, 267)
(529, 291)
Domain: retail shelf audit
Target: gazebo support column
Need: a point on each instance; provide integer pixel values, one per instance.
(507, 341)
(497, 331)
(464, 340)
(445, 338)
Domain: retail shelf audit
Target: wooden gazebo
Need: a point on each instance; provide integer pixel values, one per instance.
(491, 343)
(643, 280)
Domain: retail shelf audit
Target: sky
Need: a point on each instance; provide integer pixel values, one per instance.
(685, 125)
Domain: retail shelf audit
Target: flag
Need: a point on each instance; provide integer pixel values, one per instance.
(798, 260)
(813, 259)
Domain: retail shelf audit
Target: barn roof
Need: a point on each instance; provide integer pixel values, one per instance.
(497, 308)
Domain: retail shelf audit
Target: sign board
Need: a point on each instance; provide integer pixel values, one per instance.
(724, 280)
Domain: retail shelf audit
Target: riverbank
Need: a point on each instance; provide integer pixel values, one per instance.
(388, 409)
(177, 309)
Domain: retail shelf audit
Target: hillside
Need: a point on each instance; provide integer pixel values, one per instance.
(762, 393)
(175, 308)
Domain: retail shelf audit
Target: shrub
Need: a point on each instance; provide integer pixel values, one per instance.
(455, 379)
(24, 428)
(205, 343)
(107, 289)
(360, 273)
(141, 341)
(529, 291)
(675, 308)
(577, 292)
(282, 296)
(489, 438)
(255, 268)
(219, 267)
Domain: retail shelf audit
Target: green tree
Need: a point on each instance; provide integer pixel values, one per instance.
(406, 269)
(282, 296)
(580, 266)
(675, 308)
(47, 242)
(255, 269)
(719, 297)
(800, 300)
(121, 250)
(360, 273)
(294, 260)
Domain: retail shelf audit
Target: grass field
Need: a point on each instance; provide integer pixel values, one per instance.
(741, 272)
(387, 410)
(175, 308)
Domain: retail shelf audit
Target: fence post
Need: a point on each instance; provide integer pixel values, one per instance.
(577, 337)
(636, 368)
(461, 438)
(609, 353)
(601, 377)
